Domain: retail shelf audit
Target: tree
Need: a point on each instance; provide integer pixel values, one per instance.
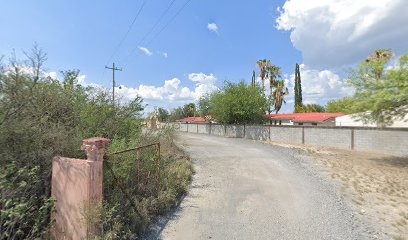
(279, 94)
(277, 90)
(204, 105)
(343, 105)
(308, 108)
(190, 109)
(263, 65)
(253, 82)
(273, 73)
(162, 114)
(41, 117)
(381, 94)
(298, 90)
(238, 104)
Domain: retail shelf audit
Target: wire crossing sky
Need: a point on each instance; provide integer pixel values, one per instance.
(174, 51)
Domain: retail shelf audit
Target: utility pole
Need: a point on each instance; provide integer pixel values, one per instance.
(113, 68)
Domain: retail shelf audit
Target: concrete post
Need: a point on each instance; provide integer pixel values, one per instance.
(77, 184)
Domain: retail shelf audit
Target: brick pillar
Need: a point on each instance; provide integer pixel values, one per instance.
(78, 184)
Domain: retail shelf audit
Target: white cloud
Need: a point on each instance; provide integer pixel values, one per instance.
(145, 51)
(212, 27)
(165, 55)
(172, 91)
(318, 86)
(204, 84)
(334, 33)
(53, 75)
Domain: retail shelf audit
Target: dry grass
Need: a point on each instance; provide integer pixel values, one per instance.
(377, 184)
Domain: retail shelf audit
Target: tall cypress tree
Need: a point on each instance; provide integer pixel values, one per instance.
(298, 89)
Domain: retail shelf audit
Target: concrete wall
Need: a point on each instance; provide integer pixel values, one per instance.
(204, 128)
(182, 127)
(218, 130)
(286, 134)
(257, 132)
(393, 141)
(329, 137)
(192, 127)
(385, 141)
(237, 131)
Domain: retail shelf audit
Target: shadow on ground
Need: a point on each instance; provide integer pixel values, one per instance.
(401, 162)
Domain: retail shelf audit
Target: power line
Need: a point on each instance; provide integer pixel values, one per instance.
(128, 31)
(168, 23)
(164, 27)
(151, 29)
(157, 22)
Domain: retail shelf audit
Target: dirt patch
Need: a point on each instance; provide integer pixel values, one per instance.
(376, 184)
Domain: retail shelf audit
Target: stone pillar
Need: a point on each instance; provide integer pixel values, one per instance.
(77, 184)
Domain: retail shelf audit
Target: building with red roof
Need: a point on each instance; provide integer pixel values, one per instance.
(311, 119)
(192, 120)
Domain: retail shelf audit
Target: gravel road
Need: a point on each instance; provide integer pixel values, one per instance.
(244, 189)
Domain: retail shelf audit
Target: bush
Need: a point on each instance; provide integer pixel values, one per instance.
(238, 104)
(151, 196)
(40, 118)
(24, 212)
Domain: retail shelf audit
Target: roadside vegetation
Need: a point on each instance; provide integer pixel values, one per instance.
(381, 89)
(41, 117)
(380, 94)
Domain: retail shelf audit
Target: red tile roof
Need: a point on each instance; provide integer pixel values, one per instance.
(192, 119)
(304, 117)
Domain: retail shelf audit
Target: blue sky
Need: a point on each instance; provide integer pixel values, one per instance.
(208, 42)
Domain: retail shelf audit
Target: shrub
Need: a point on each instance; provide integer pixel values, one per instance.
(24, 210)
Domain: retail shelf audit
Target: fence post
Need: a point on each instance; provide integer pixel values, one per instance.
(77, 186)
(352, 139)
(303, 135)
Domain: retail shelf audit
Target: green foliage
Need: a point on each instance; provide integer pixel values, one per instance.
(308, 108)
(40, 118)
(188, 110)
(253, 79)
(277, 90)
(298, 90)
(99, 117)
(381, 94)
(24, 213)
(238, 104)
(204, 105)
(343, 105)
(151, 195)
(162, 114)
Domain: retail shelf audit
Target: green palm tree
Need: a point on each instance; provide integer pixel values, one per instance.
(263, 70)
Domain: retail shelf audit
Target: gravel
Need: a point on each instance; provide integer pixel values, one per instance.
(244, 189)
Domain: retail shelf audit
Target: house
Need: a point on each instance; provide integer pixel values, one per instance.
(305, 119)
(352, 120)
(192, 120)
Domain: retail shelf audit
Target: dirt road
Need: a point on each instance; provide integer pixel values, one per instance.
(244, 189)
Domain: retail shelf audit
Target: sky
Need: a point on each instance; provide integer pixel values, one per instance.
(172, 52)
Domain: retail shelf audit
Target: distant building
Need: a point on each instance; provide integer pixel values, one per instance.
(353, 121)
(305, 119)
(192, 120)
(153, 122)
